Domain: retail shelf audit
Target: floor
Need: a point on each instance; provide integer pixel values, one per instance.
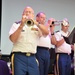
(50, 74)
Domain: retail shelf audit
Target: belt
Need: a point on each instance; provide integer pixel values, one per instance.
(63, 53)
(26, 54)
(43, 47)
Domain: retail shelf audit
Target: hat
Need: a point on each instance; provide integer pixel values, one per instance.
(65, 22)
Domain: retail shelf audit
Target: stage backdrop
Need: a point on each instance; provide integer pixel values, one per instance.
(12, 11)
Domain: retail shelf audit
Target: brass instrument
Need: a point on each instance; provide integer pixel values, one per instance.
(29, 22)
(57, 22)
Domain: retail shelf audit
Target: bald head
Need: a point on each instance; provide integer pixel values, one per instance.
(28, 8)
(28, 11)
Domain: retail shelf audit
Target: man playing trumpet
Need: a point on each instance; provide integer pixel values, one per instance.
(25, 39)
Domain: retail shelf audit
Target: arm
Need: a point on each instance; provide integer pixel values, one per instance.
(13, 37)
(59, 43)
(55, 42)
(42, 27)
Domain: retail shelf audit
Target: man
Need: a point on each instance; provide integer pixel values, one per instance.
(25, 36)
(62, 49)
(43, 55)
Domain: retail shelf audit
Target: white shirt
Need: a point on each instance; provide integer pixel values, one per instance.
(45, 41)
(28, 39)
(65, 47)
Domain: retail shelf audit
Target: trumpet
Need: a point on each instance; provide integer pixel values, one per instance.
(57, 23)
(29, 22)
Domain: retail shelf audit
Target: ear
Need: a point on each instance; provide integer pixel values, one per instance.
(36, 18)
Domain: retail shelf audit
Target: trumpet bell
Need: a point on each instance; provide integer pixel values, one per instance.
(29, 22)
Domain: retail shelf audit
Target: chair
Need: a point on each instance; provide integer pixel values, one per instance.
(4, 70)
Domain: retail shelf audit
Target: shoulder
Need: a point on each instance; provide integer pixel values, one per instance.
(18, 22)
(57, 31)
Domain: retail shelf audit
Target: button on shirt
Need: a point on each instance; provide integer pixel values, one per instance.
(28, 39)
(65, 47)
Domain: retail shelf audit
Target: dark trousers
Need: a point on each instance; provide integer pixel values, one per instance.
(43, 57)
(25, 65)
(63, 64)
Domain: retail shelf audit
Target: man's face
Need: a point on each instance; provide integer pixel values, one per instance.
(29, 12)
(65, 28)
(41, 18)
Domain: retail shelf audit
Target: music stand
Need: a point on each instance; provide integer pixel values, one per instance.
(71, 38)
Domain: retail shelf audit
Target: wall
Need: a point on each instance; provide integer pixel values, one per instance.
(12, 11)
(0, 23)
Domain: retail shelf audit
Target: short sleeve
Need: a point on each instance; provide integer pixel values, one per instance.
(13, 28)
(58, 36)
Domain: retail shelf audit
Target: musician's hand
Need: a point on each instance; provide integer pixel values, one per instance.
(72, 47)
(52, 28)
(24, 18)
(50, 21)
(35, 22)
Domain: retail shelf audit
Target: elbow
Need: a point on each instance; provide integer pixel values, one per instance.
(46, 32)
(53, 42)
(58, 44)
(11, 39)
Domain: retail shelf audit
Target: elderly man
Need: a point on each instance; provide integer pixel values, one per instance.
(25, 36)
(44, 45)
